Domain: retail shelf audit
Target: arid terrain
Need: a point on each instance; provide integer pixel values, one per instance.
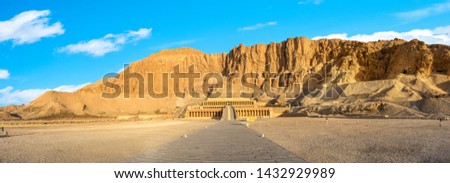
(360, 140)
(100, 142)
(328, 76)
(313, 139)
(382, 79)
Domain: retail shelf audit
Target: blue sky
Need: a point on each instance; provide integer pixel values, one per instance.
(62, 45)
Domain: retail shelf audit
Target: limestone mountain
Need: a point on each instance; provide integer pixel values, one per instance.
(397, 78)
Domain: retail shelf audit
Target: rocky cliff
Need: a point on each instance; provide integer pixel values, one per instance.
(336, 77)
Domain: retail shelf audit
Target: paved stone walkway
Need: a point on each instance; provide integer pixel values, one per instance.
(228, 113)
(223, 142)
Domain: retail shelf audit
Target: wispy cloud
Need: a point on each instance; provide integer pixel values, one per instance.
(10, 96)
(106, 44)
(29, 27)
(315, 2)
(257, 26)
(424, 12)
(4, 74)
(175, 44)
(440, 35)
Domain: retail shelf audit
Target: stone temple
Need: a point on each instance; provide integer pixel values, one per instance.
(241, 109)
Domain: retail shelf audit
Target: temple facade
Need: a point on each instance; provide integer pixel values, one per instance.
(213, 109)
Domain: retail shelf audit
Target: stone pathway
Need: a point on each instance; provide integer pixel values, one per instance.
(228, 113)
(223, 142)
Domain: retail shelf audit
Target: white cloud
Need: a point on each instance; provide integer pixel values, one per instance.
(10, 96)
(4, 74)
(69, 88)
(257, 26)
(175, 44)
(442, 30)
(315, 2)
(120, 70)
(425, 12)
(29, 27)
(106, 44)
(440, 35)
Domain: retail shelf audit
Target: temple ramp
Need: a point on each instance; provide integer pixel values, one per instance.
(228, 113)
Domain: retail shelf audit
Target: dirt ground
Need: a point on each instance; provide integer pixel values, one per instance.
(101, 142)
(360, 140)
(313, 139)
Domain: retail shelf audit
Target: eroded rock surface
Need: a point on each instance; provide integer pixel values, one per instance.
(396, 77)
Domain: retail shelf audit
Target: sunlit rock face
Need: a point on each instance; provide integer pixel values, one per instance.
(333, 77)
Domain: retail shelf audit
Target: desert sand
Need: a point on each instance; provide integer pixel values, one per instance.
(360, 140)
(101, 142)
(313, 139)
